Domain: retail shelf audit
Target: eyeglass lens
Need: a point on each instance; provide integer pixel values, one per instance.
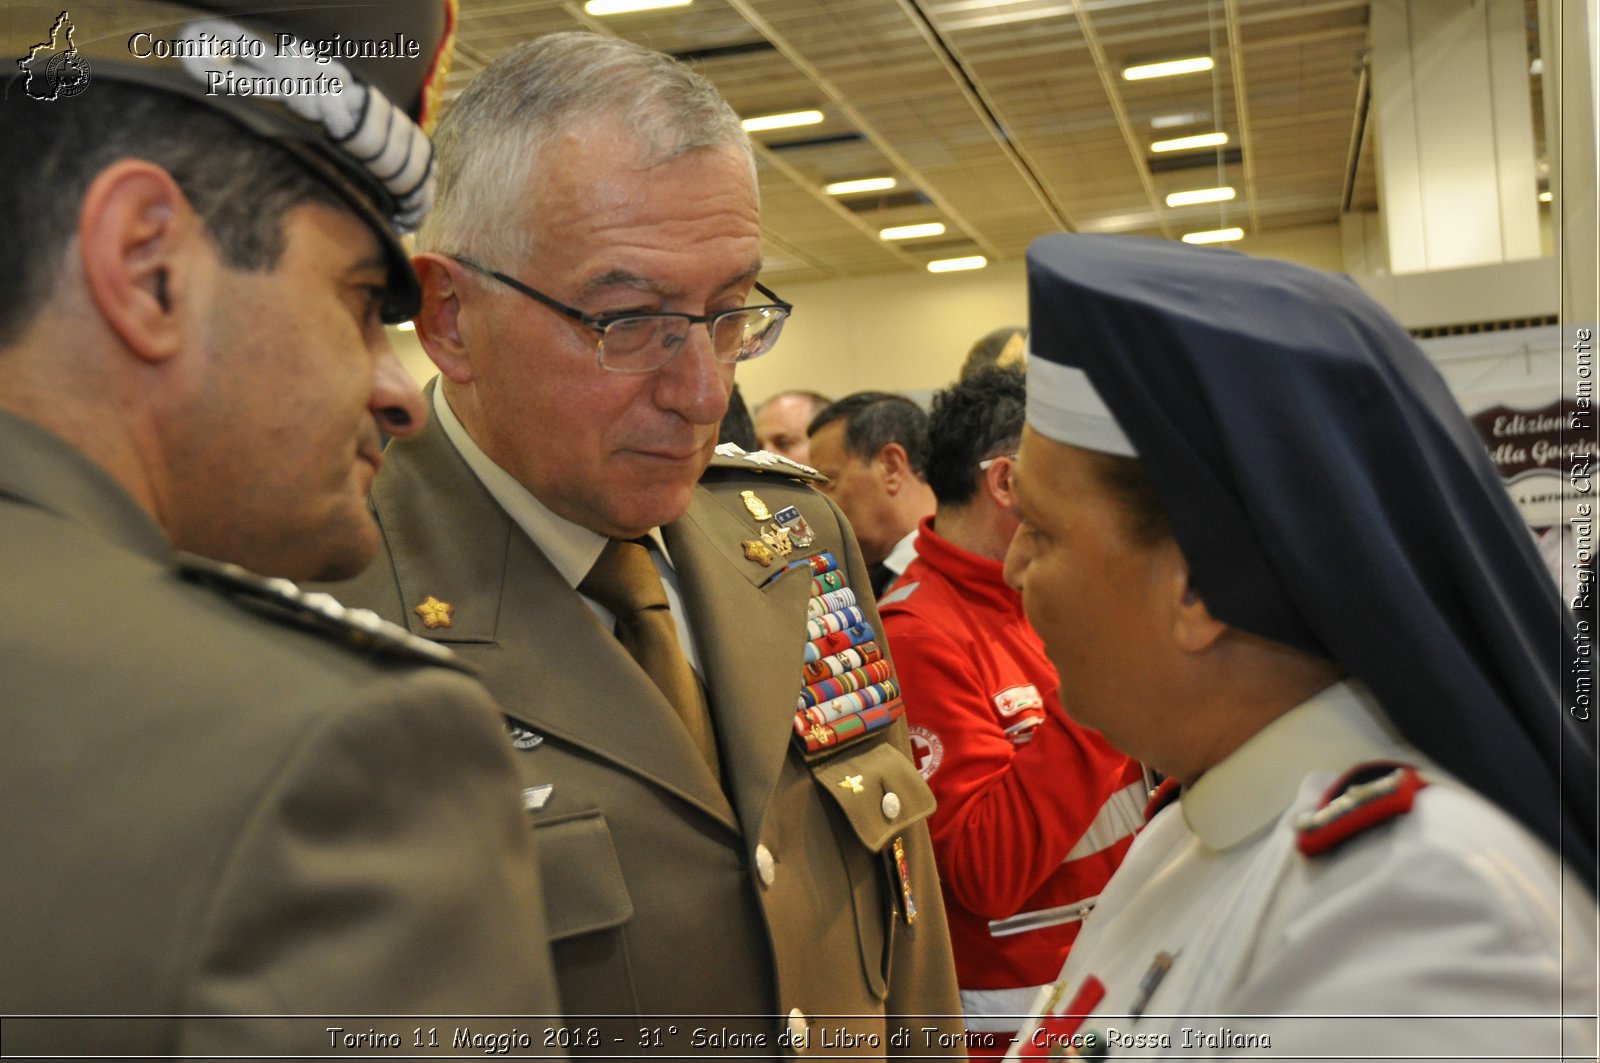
(651, 339)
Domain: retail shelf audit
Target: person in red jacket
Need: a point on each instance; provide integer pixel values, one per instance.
(1035, 811)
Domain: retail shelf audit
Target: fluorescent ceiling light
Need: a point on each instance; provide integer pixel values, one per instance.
(1202, 140)
(1213, 236)
(628, 7)
(911, 232)
(781, 121)
(865, 184)
(1200, 195)
(407, 326)
(1169, 121)
(952, 265)
(1544, 197)
(1195, 65)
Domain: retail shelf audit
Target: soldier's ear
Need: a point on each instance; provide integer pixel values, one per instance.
(894, 465)
(140, 246)
(439, 320)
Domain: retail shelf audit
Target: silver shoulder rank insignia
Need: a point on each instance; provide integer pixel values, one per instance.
(523, 738)
(282, 600)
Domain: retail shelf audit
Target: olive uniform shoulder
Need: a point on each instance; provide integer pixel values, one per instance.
(360, 630)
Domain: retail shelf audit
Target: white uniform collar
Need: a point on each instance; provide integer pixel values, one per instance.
(571, 548)
(1336, 728)
(904, 552)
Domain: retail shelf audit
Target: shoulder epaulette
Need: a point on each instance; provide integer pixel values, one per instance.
(359, 629)
(733, 456)
(1360, 799)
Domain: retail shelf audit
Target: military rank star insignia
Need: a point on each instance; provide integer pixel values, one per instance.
(851, 783)
(435, 613)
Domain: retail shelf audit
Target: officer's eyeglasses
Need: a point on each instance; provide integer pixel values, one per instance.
(643, 343)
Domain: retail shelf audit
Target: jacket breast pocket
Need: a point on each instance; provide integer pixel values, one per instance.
(587, 908)
(882, 797)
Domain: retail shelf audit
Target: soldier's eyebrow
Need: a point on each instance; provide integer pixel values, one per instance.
(374, 261)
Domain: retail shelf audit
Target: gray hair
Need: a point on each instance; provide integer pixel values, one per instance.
(491, 138)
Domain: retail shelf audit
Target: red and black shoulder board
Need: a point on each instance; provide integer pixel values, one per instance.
(1360, 799)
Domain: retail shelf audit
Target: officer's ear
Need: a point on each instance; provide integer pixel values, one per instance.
(139, 245)
(894, 466)
(439, 320)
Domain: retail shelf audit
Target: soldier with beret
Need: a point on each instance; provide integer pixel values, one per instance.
(1272, 560)
(226, 800)
(730, 824)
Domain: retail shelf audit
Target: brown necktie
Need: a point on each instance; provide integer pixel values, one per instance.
(624, 580)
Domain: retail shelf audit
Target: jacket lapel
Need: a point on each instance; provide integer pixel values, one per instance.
(749, 624)
(536, 645)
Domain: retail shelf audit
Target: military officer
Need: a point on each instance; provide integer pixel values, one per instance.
(730, 826)
(1270, 558)
(225, 800)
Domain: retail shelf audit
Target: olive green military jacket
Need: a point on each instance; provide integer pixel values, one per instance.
(214, 804)
(670, 897)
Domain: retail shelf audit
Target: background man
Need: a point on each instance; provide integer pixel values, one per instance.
(223, 796)
(870, 446)
(781, 423)
(709, 850)
(1034, 811)
(1270, 558)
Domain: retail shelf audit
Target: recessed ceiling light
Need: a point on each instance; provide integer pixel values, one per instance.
(911, 232)
(1169, 121)
(865, 184)
(1200, 195)
(1198, 64)
(628, 7)
(1544, 197)
(953, 265)
(1213, 236)
(786, 120)
(1202, 140)
(407, 326)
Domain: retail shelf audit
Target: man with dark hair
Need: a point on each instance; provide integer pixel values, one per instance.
(870, 446)
(226, 800)
(1034, 811)
(1271, 559)
(730, 819)
(781, 423)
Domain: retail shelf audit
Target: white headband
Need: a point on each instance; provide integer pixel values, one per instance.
(1065, 407)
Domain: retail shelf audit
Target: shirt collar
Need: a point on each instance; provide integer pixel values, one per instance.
(571, 548)
(1339, 726)
(904, 552)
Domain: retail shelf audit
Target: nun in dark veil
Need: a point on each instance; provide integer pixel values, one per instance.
(1270, 558)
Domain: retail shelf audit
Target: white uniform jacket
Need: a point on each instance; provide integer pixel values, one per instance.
(1445, 932)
